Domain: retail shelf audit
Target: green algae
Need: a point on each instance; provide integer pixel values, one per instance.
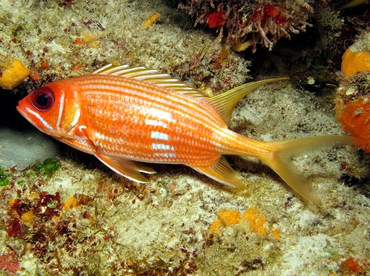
(47, 167)
(4, 179)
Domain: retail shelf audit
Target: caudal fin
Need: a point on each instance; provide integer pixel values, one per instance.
(280, 161)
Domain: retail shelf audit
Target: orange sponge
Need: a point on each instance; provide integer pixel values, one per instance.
(354, 62)
(355, 119)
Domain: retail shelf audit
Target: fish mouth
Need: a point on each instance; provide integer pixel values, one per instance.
(23, 112)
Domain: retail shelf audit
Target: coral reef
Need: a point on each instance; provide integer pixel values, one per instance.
(63, 219)
(103, 34)
(318, 50)
(248, 23)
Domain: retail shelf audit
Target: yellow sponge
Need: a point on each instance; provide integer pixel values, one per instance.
(12, 73)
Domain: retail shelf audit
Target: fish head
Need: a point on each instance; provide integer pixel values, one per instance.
(54, 108)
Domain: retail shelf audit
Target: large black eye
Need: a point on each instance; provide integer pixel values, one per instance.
(42, 99)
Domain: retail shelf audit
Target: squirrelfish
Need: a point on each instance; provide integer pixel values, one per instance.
(125, 116)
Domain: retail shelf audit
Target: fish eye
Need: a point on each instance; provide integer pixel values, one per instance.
(42, 99)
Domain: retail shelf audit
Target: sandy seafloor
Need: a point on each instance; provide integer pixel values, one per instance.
(169, 225)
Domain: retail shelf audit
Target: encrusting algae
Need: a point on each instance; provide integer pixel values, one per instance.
(70, 203)
(152, 19)
(256, 221)
(254, 217)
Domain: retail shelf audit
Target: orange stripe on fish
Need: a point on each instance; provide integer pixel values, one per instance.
(125, 116)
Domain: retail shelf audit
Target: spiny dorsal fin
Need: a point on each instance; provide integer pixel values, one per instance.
(152, 76)
(225, 102)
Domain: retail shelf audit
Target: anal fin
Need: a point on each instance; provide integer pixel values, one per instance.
(127, 168)
(222, 172)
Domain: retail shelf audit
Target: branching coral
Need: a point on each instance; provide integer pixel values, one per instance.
(247, 23)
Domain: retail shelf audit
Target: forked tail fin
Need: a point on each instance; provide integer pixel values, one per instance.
(280, 161)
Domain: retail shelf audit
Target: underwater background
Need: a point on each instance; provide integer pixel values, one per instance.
(64, 212)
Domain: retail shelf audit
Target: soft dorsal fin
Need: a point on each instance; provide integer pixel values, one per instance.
(225, 102)
(152, 76)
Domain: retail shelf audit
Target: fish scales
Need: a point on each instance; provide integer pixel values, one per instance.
(148, 130)
(137, 90)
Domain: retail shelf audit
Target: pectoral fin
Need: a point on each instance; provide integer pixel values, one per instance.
(222, 172)
(127, 168)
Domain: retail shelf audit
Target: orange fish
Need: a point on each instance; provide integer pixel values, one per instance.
(125, 116)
